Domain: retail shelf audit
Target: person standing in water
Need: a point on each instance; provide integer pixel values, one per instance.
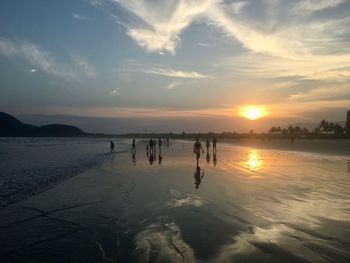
(155, 146)
(133, 148)
(197, 148)
(207, 144)
(160, 143)
(112, 147)
(214, 145)
(150, 146)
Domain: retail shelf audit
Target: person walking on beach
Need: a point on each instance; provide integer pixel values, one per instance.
(151, 146)
(112, 147)
(197, 148)
(133, 148)
(154, 146)
(207, 144)
(214, 144)
(160, 143)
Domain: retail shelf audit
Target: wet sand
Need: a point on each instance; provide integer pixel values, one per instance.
(250, 205)
(323, 146)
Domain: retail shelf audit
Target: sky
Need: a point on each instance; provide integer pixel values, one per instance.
(118, 66)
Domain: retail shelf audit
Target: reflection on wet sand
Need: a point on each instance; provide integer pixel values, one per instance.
(198, 175)
(134, 158)
(215, 160)
(162, 242)
(160, 158)
(254, 161)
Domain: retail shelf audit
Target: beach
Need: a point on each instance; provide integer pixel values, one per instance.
(251, 202)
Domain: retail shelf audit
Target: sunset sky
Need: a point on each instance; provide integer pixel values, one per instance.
(118, 65)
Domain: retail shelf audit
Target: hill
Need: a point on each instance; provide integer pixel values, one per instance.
(12, 127)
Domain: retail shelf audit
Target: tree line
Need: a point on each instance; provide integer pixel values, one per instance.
(324, 128)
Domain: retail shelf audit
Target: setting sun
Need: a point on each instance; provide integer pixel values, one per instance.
(253, 112)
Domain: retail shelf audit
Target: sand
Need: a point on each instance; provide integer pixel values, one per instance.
(253, 205)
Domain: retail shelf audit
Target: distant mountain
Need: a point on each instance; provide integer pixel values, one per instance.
(12, 127)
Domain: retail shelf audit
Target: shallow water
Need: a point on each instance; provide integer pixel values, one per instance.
(251, 205)
(31, 165)
(246, 205)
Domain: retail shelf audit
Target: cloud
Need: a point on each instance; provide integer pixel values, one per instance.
(236, 7)
(203, 44)
(83, 66)
(172, 85)
(133, 66)
(115, 92)
(268, 66)
(80, 17)
(175, 73)
(96, 2)
(330, 92)
(163, 21)
(337, 75)
(317, 5)
(7, 48)
(45, 61)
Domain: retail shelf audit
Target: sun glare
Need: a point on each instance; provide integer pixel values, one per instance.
(254, 161)
(253, 112)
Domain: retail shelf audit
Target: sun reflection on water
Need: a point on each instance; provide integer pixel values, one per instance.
(254, 161)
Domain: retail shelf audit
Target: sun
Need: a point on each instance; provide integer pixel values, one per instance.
(253, 112)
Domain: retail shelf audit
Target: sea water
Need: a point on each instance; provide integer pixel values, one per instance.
(31, 165)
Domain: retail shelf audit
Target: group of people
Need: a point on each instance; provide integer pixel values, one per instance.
(152, 148)
(197, 148)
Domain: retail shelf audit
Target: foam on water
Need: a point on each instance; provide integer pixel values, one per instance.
(31, 165)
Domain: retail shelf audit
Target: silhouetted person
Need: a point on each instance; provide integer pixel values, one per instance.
(214, 144)
(133, 148)
(154, 146)
(112, 147)
(208, 157)
(198, 175)
(292, 140)
(197, 148)
(214, 159)
(207, 144)
(151, 146)
(147, 149)
(160, 143)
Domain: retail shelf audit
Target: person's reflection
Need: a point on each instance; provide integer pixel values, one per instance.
(198, 175)
(208, 157)
(112, 160)
(348, 166)
(160, 158)
(151, 158)
(215, 160)
(134, 158)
